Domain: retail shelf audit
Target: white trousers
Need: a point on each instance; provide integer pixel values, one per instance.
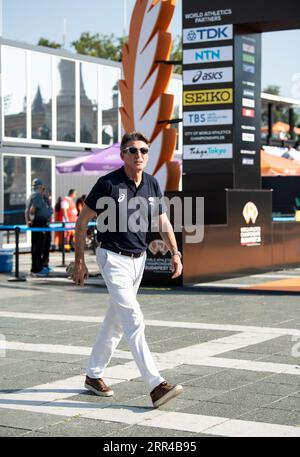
(122, 276)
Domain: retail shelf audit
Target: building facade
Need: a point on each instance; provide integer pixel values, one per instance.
(55, 106)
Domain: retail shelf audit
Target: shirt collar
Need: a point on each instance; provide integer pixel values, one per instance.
(130, 181)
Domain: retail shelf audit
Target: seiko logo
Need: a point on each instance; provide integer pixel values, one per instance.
(205, 97)
(209, 34)
(250, 213)
(207, 76)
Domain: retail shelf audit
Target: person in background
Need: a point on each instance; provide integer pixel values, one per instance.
(45, 258)
(37, 215)
(58, 217)
(69, 211)
(79, 203)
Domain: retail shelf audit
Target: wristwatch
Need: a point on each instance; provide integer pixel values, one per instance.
(177, 253)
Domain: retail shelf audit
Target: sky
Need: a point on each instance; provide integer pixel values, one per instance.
(28, 20)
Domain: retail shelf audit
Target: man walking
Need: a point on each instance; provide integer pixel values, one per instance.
(121, 257)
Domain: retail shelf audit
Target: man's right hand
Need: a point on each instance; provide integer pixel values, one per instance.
(80, 273)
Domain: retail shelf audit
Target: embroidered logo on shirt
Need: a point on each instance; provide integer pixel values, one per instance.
(151, 201)
(121, 198)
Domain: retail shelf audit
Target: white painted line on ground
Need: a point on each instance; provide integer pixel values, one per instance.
(131, 415)
(238, 364)
(203, 354)
(274, 276)
(219, 285)
(51, 317)
(239, 428)
(156, 323)
(192, 354)
(60, 349)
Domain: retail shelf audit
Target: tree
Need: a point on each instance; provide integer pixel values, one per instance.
(272, 89)
(176, 54)
(99, 45)
(280, 113)
(48, 44)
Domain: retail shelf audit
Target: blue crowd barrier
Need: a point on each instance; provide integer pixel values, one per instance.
(53, 227)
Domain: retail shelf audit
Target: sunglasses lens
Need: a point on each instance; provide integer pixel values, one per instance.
(134, 150)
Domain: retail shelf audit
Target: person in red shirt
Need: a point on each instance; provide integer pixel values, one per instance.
(69, 212)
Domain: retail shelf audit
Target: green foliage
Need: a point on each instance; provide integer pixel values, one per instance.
(98, 45)
(48, 44)
(272, 89)
(280, 113)
(176, 54)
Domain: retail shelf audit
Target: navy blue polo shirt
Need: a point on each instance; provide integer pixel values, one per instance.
(126, 211)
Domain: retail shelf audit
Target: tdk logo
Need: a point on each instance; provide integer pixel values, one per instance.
(207, 55)
(208, 34)
(204, 34)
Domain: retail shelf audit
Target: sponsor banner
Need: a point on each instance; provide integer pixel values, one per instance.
(248, 93)
(248, 103)
(249, 68)
(248, 152)
(248, 161)
(250, 236)
(207, 135)
(206, 76)
(203, 118)
(248, 83)
(207, 55)
(207, 34)
(250, 137)
(207, 151)
(208, 97)
(248, 112)
(248, 127)
(248, 58)
(248, 48)
(205, 17)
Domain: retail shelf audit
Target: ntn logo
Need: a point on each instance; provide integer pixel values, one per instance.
(208, 54)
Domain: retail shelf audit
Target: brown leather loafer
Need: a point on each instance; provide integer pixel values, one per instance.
(98, 387)
(164, 392)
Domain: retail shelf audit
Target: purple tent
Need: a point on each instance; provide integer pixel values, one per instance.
(100, 162)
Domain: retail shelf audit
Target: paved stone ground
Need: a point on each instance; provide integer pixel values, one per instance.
(236, 354)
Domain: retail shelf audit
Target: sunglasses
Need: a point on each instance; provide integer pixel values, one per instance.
(134, 150)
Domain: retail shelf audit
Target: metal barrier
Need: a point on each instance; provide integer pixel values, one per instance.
(54, 227)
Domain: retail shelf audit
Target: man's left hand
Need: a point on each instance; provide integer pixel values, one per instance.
(176, 266)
